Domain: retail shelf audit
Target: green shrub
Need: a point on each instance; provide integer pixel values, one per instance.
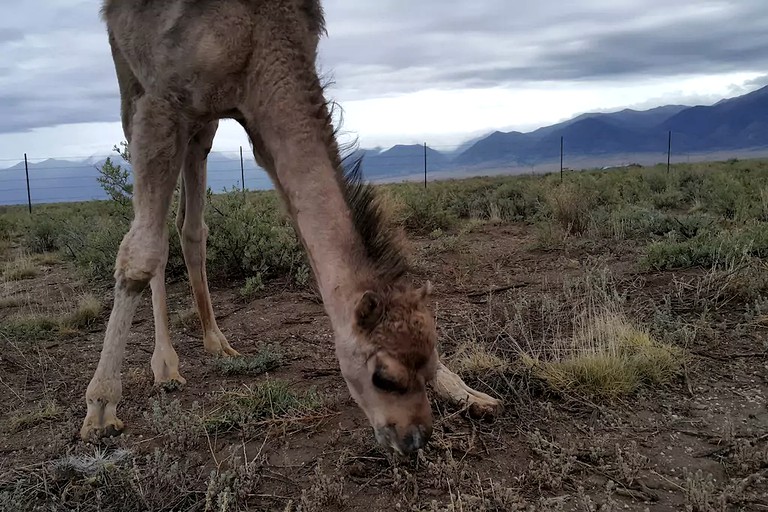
(709, 248)
(630, 222)
(92, 243)
(425, 212)
(669, 199)
(519, 200)
(571, 207)
(724, 195)
(252, 286)
(656, 180)
(41, 234)
(248, 238)
(472, 200)
(7, 229)
(266, 359)
(691, 184)
(265, 401)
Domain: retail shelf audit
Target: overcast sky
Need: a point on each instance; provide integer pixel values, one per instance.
(435, 70)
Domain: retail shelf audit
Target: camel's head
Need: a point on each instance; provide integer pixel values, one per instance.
(389, 360)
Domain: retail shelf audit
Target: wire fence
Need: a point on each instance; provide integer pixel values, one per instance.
(34, 180)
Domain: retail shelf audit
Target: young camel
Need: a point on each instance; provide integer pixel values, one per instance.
(182, 65)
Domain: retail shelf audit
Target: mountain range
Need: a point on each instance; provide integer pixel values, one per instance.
(731, 126)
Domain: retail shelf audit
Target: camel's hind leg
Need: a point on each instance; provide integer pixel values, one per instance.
(194, 233)
(165, 361)
(157, 144)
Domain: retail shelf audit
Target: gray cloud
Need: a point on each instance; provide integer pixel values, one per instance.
(497, 44)
(758, 82)
(11, 34)
(58, 69)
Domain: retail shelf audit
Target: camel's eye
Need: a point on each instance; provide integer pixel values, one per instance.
(384, 383)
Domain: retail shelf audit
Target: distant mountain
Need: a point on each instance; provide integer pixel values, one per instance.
(50, 181)
(498, 147)
(622, 118)
(467, 144)
(595, 136)
(399, 161)
(734, 124)
(586, 134)
(65, 180)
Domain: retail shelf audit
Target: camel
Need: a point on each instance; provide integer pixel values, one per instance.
(182, 66)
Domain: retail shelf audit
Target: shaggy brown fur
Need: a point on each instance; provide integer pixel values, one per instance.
(381, 239)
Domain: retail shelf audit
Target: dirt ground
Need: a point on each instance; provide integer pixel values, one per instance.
(697, 443)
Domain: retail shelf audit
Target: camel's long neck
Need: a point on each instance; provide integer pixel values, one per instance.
(327, 230)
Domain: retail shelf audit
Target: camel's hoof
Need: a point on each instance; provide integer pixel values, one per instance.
(101, 420)
(93, 430)
(228, 351)
(216, 344)
(485, 407)
(172, 383)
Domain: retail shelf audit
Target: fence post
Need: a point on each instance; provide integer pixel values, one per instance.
(242, 171)
(561, 159)
(425, 165)
(29, 194)
(669, 150)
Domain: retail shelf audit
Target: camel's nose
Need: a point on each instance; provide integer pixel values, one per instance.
(415, 438)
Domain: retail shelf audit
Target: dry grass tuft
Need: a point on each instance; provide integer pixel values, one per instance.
(570, 207)
(607, 356)
(11, 302)
(47, 258)
(44, 324)
(473, 359)
(47, 410)
(21, 268)
(84, 315)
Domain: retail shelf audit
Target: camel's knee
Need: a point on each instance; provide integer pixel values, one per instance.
(141, 254)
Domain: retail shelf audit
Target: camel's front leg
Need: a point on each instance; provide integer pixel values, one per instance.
(156, 146)
(105, 388)
(451, 387)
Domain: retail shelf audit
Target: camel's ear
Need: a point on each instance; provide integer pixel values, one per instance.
(369, 310)
(426, 290)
